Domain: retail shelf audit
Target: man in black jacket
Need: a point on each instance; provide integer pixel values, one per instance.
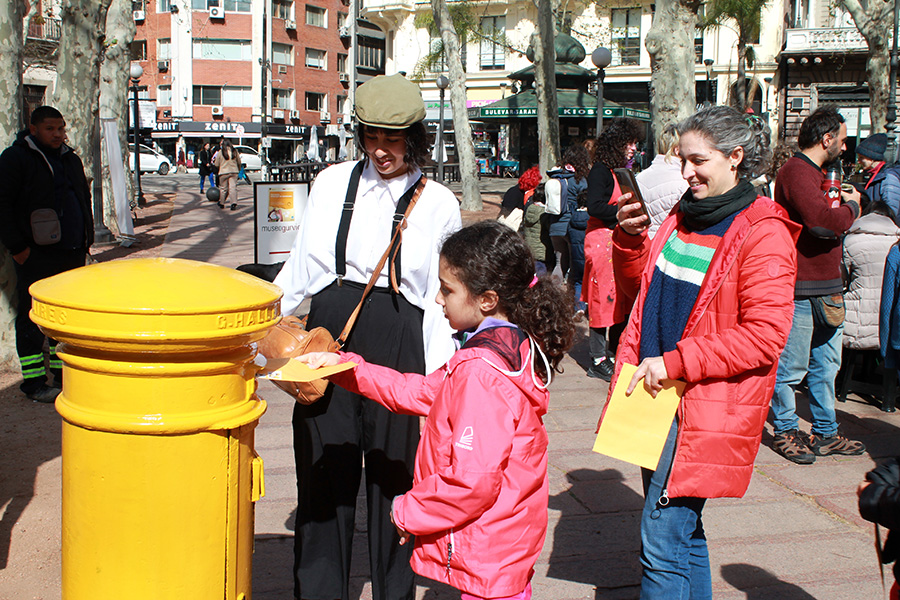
(46, 224)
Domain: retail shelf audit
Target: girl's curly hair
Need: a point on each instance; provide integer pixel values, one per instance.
(612, 141)
(579, 157)
(488, 255)
(530, 179)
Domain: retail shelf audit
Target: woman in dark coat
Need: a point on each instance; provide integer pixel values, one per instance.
(204, 160)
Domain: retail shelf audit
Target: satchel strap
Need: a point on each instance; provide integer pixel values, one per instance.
(396, 238)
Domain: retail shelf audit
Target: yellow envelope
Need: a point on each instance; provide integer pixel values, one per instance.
(291, 369)
(635, 427)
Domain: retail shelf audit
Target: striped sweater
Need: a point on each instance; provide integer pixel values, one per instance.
(675, 285)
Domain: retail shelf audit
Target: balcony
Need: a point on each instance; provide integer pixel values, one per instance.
(824, 40)
(42, 40)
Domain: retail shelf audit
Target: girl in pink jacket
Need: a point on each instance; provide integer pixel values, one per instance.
(478, 505)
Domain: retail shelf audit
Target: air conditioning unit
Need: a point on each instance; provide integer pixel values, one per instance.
(340, 119)
(162, 66)
(138, 15)
(282, 69)
(218, 110)
(295, 114)
(278, 114)
(345, 76)
(290, 24)
(216, 12)
(344, 31)
(797, 104)
(331, 130)
(325, 117)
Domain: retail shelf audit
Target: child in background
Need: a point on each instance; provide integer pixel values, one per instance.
(535, 231)
(478, 505)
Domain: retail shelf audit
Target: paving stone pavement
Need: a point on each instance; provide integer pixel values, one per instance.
(795, 535)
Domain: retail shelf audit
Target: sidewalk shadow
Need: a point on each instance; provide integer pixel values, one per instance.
(597, 538)
(759, 584)
(31, 435)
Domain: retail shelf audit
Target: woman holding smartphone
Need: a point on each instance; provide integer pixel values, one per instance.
(714, 302)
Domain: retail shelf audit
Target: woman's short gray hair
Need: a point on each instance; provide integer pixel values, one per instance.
(726, 129)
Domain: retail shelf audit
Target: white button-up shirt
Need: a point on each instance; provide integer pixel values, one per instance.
(311, 266)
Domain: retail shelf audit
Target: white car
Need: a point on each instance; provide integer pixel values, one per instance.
(249, 158)
(151, 161)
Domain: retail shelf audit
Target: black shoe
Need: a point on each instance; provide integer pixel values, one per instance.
(44, 394)
(603, 370)
(234, 207)
(792, 445)
(836, 444)
(220, 205)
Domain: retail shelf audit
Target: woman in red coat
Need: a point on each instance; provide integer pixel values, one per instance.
(714, 301)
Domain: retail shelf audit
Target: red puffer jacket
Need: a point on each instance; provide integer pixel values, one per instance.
(729, 353)
(478, 505)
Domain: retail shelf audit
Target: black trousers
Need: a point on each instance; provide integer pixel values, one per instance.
(334, 436)
(41, 263)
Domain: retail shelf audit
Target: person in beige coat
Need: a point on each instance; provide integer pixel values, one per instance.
(228, 161)
(866, 246)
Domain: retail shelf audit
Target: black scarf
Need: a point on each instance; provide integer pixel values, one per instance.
(706, 212)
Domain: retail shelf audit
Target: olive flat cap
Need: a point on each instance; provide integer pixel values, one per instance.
(389, 101)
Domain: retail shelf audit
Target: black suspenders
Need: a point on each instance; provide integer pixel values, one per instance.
(340, 245)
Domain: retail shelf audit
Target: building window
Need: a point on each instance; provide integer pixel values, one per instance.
(164, 49)
(370, 57)
(137, 5)
(341, 100)
(493, 54)
(228, 5)
(626, 36)
(440, 66)
(208, 95)
(282, 54)
(698, 36)
(315, 101)
(316, 16)
(342, 63)
(283, 9)
(283, 99)
(315, 59)
(222, 49)
(163, 6)
(342, 19)
(139, 50)
(164, 95)
(237, 96)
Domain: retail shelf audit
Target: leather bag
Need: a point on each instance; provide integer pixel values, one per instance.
(290, 339)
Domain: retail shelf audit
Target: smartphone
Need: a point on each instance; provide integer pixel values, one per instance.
(628, 184)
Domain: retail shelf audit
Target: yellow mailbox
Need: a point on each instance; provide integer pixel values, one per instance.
(159, 409)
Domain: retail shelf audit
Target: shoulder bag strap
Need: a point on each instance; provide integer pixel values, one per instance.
(348, 327)
(340, 243)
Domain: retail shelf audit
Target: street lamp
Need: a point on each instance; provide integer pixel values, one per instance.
(442, 83)
(709, 63)
(136, 71)
(601, 57)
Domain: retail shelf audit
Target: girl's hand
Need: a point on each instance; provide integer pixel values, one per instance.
(316, 360)
(653, 372)
(404, 535)
(630, 215)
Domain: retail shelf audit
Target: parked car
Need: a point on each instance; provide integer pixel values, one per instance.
(151, 161)
(249, 158)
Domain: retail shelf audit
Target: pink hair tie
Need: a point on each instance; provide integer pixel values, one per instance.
(533, 282)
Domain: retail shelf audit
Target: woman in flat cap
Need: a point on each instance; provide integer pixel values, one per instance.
(347, 225)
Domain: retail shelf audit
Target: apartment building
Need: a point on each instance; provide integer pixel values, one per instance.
(216, 67)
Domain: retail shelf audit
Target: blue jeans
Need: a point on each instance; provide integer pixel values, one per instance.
(673, 545)
(813, 351)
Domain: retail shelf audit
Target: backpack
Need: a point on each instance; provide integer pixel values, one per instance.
(555, 206)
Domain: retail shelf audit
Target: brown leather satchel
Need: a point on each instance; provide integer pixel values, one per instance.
(289, 338)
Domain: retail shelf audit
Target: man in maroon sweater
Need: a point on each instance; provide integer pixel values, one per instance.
(813, 349)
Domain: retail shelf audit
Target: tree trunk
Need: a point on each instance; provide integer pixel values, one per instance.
(543, 42)
(740, 87)
(670, 43)
(77, 94)
(462, 131)
(11, 56)
(114, 95)
(874, 23)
